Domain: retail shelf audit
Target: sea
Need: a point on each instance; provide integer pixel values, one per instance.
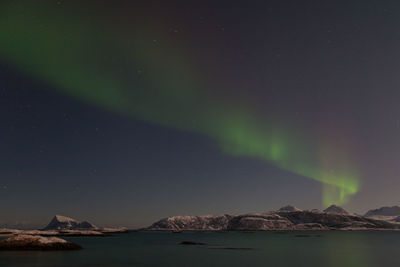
(275, 249)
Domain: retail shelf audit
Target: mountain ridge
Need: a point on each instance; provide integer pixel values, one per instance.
(384, 211)
(60, 222)
(286, 218)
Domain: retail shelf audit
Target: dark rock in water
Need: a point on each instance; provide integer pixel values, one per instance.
(193, 243)
(29, 242)
(65, 223)
(384, 211)
(80, 233)
(280, 232)
(308, 236)
(233, 248)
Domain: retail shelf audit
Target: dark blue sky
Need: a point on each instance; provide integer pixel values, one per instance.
(305, 63)
(66, 157)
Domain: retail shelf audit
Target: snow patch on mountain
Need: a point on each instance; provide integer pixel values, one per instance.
(336, 210)
(289, 208)
(384, 211)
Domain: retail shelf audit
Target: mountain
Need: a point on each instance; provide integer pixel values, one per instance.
(207, 222)
(289, 208)
(65, 223)
(336, 210)
(333, 218)
(384, 211)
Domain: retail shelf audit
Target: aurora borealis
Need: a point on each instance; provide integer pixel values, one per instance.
(177, 67)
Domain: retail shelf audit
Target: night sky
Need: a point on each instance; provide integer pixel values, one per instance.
(124, 112)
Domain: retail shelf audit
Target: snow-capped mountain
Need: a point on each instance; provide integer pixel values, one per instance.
(336, 210)
(65, 223)
(206, 222)
(384, 211)
(286, 218)
(289, 208)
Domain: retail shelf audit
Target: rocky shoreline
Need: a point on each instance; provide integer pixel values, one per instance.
(34, 242)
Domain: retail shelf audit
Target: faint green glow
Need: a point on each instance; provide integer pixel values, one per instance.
(126, 72)
(354, 250)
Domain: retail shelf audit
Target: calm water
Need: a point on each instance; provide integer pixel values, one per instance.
(355, 249)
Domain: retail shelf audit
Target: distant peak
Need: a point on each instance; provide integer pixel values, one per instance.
(384, 211)
(336, 209)
(61, 218)
(289, 208)
(62, 222)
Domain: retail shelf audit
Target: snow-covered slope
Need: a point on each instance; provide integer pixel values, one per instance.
(260, 222)
(284, 219)
(336, 210)
(384, 211)
(289, 208)
(206, 222)
(65, 223)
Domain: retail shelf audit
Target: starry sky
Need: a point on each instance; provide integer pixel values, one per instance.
(124, 112)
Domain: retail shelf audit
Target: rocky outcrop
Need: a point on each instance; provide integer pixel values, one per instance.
(65, 223)
(30, 242)
(287, 218)
(384, 211)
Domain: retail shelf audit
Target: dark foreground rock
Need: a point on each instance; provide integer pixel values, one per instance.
(30, 242)
(193, 243)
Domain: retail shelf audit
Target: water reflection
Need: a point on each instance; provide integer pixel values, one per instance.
(347, 249)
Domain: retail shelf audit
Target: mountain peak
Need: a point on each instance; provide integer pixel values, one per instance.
(336, 210)
(384, 211)
(60, 222)
(61, 218)
(289, 208)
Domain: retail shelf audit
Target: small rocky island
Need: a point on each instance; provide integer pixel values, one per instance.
(45, 239)
(60, 222)
(32, 242)
(65, 226)
(286, 218)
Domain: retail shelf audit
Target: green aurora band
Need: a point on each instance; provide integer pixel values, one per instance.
(80, 55)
